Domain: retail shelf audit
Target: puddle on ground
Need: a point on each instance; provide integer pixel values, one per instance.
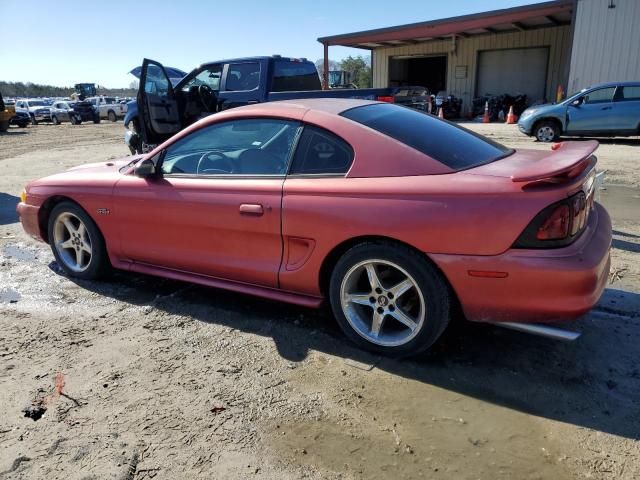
(9, 295)
(20, 253)
(622, 203)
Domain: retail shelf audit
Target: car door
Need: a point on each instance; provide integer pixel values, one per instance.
(157, 105)
(626, 109)
(215, 207)
(592, 113)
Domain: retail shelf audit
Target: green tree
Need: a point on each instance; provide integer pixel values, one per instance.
(360, 69)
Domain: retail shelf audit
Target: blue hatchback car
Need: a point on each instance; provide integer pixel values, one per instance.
(604, 110)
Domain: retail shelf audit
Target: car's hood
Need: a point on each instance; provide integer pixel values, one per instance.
(40, 107)
(175, 74)
(104, 167)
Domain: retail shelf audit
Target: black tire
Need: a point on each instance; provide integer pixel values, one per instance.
(33, 120)
(96, 119)
(4, 125)
(428, 282)
(76, 120)
(55, 120)
(112, 116)
(23, 125)
(546, 131)
(98, 265)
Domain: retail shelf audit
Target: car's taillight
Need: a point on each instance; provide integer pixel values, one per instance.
(557, 225)
(386, 98)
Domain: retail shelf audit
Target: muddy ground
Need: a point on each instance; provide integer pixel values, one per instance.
(148, 378)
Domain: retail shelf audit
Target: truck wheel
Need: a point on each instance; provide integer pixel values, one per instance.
(112, 116)
(96, 119)
(23, 125)
(4, 126)
(55, 120)
(546, 131)
(33, 120)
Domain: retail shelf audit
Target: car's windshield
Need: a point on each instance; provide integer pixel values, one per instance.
(36, 103)
(454, 146)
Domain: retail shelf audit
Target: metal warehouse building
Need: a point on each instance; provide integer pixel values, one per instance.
(531, 49)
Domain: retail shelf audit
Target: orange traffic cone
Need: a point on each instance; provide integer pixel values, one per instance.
(511, 118)
(440, 113)
(485, 117)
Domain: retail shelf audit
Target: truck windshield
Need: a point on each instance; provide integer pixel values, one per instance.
(291, 76)
(454, 146)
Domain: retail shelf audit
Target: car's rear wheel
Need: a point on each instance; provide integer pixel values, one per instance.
(55, 120)
(389, 299)
(112, 116)
(76, 242)
(4, 126)
(33, 120)
(547, 131)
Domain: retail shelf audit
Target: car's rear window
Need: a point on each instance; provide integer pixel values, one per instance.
(290, 75)
(454, 146)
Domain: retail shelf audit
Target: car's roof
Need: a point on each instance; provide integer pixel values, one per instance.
(328, 105)
(253, 59)
(615, 84)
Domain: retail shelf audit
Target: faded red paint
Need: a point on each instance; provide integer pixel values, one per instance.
(193, 229)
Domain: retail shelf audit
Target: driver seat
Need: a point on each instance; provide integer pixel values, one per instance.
(260, 162)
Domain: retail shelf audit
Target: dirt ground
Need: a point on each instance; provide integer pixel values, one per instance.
(149, 378)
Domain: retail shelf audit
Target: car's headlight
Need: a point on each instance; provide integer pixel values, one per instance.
(23, 196)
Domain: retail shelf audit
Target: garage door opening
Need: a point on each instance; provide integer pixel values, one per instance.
(513, 71)
(430, 72)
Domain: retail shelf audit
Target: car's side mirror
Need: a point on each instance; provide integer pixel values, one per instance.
(577, 102)
(146, 168)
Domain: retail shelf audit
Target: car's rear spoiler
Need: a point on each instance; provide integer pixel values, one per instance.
(564, 158)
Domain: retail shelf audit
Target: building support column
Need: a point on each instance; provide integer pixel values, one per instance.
(325, 69)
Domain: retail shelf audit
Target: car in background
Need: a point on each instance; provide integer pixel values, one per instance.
(21, 118)
(63, 111)
(108, 107)
(6, 112)
(297, 201)
(38, 109)
(605, 110)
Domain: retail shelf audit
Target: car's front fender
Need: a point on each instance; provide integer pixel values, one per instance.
(132, 112)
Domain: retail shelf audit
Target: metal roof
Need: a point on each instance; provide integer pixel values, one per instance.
(526, 17)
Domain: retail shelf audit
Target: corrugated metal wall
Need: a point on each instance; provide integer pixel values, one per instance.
(466, 54)
(606, 44)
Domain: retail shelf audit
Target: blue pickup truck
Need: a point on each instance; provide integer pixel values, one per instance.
(164, 106)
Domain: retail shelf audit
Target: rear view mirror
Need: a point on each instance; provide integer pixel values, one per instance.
(577, 102)
(146, 168)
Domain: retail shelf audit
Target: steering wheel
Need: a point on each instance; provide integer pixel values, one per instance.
(206, 157)
(207, 97)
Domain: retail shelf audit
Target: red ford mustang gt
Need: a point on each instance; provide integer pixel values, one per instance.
(392, 214)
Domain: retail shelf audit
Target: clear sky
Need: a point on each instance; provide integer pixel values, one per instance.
(63, 42)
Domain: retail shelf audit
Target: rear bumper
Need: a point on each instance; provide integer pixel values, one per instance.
(542, 285)
(29, 219)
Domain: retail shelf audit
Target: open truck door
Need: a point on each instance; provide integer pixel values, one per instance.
(157, 104)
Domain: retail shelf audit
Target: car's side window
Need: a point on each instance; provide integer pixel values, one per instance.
(602, 95)
(243, 76)
(156, 82)
(236, 147)
(629, 94)
(320, 152)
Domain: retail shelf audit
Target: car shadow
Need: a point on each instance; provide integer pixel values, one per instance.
(587, 383)
(624, 245)
(8, 205)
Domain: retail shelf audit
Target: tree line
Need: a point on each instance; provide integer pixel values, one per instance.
(28, 89)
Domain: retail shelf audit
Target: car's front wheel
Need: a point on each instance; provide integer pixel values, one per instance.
(389, 299)
(112, 116)
(55, 120)
(76, 242)
(547, 131)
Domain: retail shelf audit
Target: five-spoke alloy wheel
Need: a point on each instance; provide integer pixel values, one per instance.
(76, 242)
(389, 299)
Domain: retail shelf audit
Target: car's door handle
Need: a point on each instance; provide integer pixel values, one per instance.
(251, 209)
